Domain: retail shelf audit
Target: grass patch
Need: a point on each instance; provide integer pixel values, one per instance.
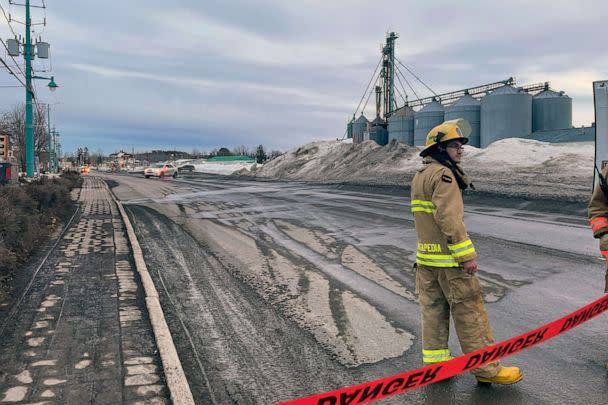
(29, 212)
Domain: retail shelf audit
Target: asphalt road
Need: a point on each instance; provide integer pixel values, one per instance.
(277, 290)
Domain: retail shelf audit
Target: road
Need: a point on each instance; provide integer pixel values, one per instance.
(276, 290)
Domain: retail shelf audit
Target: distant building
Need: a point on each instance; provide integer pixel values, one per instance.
(231, 159)
(122, 159)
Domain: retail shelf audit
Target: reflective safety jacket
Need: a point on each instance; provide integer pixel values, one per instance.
(598, 216)
(439, 218)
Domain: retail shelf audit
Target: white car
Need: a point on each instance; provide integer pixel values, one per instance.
(160, 170)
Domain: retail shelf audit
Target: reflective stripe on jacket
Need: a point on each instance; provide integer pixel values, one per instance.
(438, 215)
(598, 210)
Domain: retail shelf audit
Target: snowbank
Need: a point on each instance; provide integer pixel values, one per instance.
(513, 166)
(223, 168)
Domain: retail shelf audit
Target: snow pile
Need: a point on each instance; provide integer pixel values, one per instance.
(223, 168)
(329, 161)
(520, 153)
(513, 166)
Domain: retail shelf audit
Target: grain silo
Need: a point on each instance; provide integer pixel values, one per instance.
(426, 119)
(470, 109)
(551, 110)
(359, 126)
(401, 126)
(505, 113)
(377, 132)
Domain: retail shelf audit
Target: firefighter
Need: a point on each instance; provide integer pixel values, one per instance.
(598, 217)
(446, 259)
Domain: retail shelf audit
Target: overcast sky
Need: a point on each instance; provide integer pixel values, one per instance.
(148, 74)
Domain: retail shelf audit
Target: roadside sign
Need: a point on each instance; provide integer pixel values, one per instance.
(600, 98)
(4, 154)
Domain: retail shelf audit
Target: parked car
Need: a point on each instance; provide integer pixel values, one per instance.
(160, 170)
(85, 169)
(186, 168)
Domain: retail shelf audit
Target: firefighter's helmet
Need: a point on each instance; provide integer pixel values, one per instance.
(458, 129)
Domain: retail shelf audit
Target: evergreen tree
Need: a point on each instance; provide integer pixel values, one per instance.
(260, 154)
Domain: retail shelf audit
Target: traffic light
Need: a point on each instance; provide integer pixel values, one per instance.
(3, 147)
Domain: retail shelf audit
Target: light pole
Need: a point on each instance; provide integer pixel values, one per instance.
(57, 152)
(54, 135)
(28, 52)
(29, 126)
(49, 139)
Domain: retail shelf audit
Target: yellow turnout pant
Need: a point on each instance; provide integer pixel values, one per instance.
(442, 291)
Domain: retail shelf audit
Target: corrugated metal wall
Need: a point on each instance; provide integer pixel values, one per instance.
(401, 126)
(359, 126)
(428, 117)
(469, 109)
(551, 110)
(505, 113)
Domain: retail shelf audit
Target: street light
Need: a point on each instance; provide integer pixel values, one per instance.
(52, 85)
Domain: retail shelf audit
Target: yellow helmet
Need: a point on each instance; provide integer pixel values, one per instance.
(458, 129)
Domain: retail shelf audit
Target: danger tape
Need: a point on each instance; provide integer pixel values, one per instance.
(411, 380)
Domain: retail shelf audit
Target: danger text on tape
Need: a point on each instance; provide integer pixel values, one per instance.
(385, 387)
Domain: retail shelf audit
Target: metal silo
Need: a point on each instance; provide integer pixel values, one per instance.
(426, 119)
(470, 109)
(505, 113)
(359, 126)
(551, 110)
(401, 126)
(377, 132)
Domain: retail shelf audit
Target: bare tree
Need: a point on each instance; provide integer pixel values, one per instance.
(195, 153)
(274, 154)
(241, 150)
(12, 123)
(97, 157)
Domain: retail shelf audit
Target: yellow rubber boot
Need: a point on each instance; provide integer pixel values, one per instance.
(505, 376)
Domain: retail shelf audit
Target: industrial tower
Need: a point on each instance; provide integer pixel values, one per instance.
(388, 73)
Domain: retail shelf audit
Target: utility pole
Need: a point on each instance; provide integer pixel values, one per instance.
(29, 130)
(50, 146)
(28, 53)
(57, 146)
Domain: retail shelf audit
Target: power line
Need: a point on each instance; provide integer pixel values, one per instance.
(7, 20)
(12, 57)
(370, 93)
(417, 78)
(368, 84)
(11, 72)
(407, 81)
(402, 86)
(401, 95)
(12, 66)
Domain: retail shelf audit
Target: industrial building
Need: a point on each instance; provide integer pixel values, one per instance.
(495, 111)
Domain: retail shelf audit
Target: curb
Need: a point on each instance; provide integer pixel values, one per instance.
(174, 373)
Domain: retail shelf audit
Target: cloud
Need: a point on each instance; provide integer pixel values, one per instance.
(282, 73)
